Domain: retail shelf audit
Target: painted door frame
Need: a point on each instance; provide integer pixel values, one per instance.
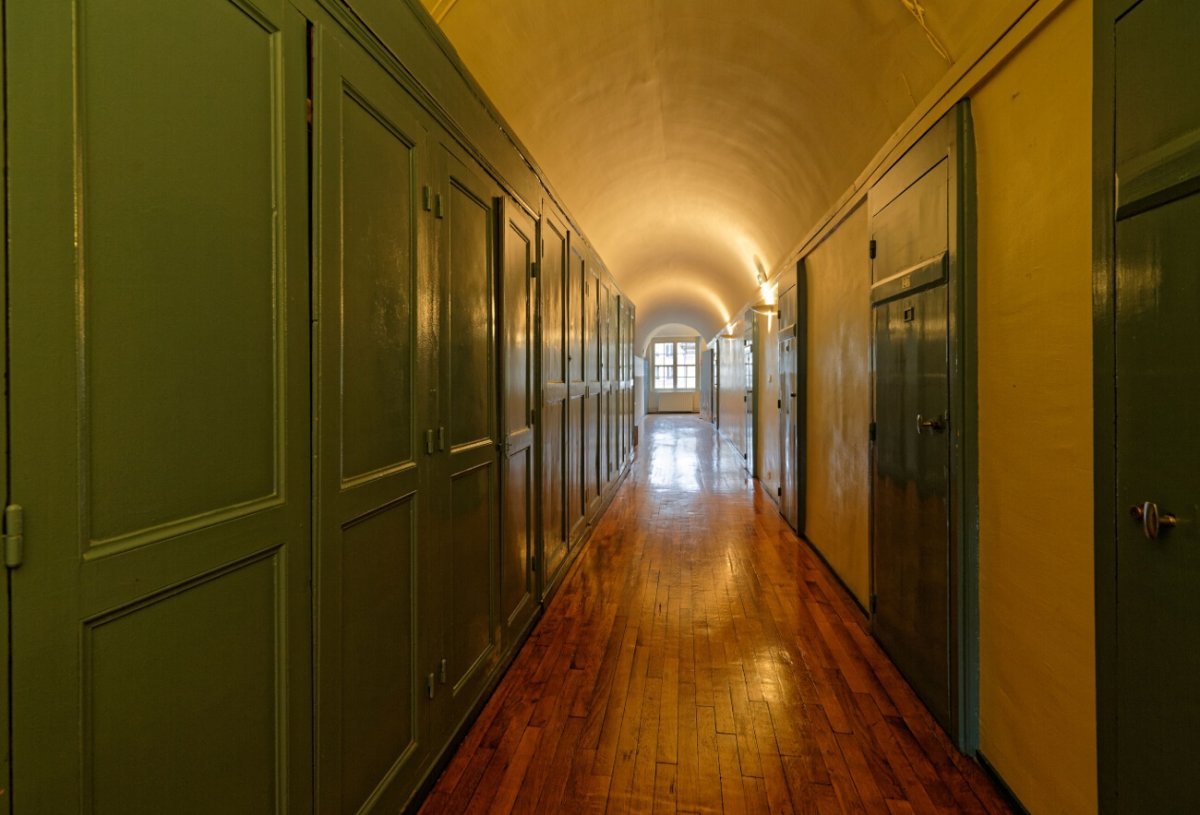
(964, 442)
(1104, 378)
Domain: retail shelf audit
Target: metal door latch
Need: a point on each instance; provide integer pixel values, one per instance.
(1153, 522)
(932, 425)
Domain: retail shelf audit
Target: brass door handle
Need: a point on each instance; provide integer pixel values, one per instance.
(1152, 520)
(932, 425)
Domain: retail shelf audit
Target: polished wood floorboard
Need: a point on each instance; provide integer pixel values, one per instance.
(699, 658)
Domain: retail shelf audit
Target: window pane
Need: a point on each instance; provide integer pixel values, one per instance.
(687, 353)
(664, 377)
(686, 377)
(664, 353)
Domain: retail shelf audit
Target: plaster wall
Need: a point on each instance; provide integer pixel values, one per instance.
(838, 481)
(1033, 134)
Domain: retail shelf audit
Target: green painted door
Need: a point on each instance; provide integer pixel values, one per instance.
(465, 473)
(912, 456)
(552, 274)
(158, 239)
(1158, 394)
(592, 416)
(577, 391)
(374, 510)
(911, 539)
(518, 297)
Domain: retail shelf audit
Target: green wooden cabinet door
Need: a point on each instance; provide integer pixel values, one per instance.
(553, 421)
(465, 475)
(576, 455)
(161, 635)
(1158, 393)
(373, 502)
(518, 296)
(591, 392)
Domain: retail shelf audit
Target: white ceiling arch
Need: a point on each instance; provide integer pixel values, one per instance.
(688, 137)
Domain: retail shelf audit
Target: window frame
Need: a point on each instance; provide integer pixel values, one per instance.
(675, 365)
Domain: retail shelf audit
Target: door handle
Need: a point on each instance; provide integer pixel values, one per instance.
(1152, 520)
(932, 425)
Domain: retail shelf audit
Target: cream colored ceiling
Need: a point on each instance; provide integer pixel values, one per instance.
(689, 136)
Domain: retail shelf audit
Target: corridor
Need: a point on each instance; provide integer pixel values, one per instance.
(700, 658)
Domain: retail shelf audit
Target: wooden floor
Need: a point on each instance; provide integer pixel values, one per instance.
(700, 658)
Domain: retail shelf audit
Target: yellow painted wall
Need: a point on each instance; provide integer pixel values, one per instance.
(1033, 140)
(839, 402)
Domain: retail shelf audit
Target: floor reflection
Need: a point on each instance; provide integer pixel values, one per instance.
(684, 454)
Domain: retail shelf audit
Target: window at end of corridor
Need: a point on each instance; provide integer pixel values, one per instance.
(675, 366)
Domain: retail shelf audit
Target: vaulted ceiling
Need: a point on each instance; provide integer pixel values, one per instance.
(690, 137)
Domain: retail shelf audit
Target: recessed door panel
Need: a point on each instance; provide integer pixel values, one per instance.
(913, 227)
(180, 352)
(377, 649)
(378, 273)
(167, 733)
(471, 530)
(468, 292)
(159, 333)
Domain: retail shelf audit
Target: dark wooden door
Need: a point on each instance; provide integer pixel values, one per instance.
(553, 421)
(1157, 708)
(159, 341)
(518, 298)
(788, 404)
(374, 506)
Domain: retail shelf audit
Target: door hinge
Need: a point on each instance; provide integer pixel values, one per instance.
(429, 685)
(873, 248)
(427, 198)
(14, 535)
(439, 209)
(873, 603)
(779, 491)
(532, 416)
(533, 269)
(779, 404)
(871, 432)
(533, 563)
(442, 672)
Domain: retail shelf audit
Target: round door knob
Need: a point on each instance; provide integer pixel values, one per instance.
(1153, 521)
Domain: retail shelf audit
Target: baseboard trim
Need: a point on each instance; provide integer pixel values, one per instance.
(816, 550)
(438, 766)
(1006, 791)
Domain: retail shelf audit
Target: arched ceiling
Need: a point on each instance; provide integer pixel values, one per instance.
(688, 137)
